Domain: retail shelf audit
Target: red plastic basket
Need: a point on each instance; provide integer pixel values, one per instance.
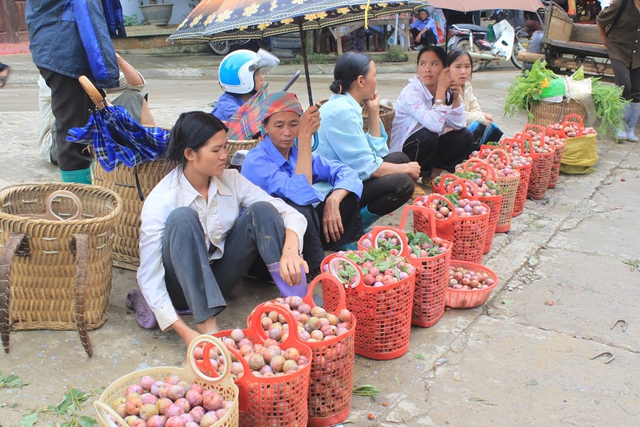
(432, 273)
(468, 234)
(383, 313)
(331, 377)
(493, 202)
(461, 298)
(542, 163)
(516, 146)
(268, 401)
(444, 227)
(508, 188)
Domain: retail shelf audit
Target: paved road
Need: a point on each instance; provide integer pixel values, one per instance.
(568, 270)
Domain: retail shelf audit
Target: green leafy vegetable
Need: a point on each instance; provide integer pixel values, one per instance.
(365, 390)
(10, 381)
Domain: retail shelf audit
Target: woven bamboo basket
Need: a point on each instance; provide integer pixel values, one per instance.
(545, 113)
(56, 274)
(387, 114)
(222, 384)
(134, 185)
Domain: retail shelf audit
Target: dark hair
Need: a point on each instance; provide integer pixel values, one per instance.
(348, 68)
(454, 54)
(435, 49)
(192, 130)
(423, 10)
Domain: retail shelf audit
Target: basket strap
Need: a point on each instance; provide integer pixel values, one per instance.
(6, 260)
(81, 244)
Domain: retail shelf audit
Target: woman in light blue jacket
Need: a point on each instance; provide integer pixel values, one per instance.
(388, 178)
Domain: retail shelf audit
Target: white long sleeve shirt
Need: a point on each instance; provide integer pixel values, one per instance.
(228, 195)
(415, 110)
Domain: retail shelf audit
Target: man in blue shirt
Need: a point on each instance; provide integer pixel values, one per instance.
(289, 172)
(423, 30)
(59, 49)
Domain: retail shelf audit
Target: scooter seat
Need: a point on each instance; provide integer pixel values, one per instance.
(474, 28)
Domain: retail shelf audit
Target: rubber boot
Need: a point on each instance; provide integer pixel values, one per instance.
(286, 290)
(81, 176)
(631, 119)
(621, 133)
(368, 218)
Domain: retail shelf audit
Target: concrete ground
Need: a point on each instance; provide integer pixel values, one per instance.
(568, 270)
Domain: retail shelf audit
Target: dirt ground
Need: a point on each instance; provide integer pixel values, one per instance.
(568, 269)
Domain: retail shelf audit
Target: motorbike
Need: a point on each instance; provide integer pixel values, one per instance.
(223, 47)
(475, 39)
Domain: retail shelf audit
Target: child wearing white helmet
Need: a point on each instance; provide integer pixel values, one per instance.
(240, 77)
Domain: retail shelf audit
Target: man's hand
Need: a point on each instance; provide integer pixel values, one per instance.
(488, 117)
(291, 265)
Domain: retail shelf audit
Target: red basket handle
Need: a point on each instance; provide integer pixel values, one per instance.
(428, 212)
(399, 233)
(465, 190)
(200, 367)
(476, 164)
(510, 142)
(574, 118)
(332, 270)
(535, 128)
(440, 188)
(503, 154)
(342, 296)
(254, 324)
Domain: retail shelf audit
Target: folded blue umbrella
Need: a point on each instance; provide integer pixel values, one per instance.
(118, 139)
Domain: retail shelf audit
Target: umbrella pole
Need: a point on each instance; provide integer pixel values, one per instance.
(305, 61)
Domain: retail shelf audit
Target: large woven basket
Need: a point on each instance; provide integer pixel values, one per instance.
(387, 115)
(56, 274)
(545, 113)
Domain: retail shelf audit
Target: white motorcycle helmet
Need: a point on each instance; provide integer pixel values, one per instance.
(236, 70)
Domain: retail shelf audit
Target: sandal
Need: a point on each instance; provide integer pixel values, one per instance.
(4, 77)
(144, 315)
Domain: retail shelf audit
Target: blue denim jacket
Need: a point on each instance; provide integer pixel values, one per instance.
(55, 41)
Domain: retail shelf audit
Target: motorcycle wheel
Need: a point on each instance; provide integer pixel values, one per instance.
(220, 48)
(517, 47)
(464, 44)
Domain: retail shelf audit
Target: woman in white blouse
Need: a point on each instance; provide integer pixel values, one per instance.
(429, 125)
(203, 226)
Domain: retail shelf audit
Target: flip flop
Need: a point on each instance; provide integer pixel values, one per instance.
(144, 315)
(3, 79)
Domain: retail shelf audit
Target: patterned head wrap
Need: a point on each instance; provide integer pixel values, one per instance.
(279, 102)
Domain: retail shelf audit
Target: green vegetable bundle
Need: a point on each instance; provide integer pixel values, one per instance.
(528, 88)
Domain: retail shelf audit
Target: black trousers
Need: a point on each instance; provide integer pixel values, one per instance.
(627, 78)
(71, 108)
(441, 151)
(314, 242)
(427, 39)
(387, 193)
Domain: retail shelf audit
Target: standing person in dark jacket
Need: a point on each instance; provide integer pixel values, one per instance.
(619, 29)
(59, 53)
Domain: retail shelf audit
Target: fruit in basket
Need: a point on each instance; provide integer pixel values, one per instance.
(208, 419)
(194, 397)
(148, 410)
(197, 413)
(149, 398)
(571, 130)
(157, 421)
(439, 206)
(317, 325)
(466, 279)
(588, 131)
(212, 401)
(385, 268)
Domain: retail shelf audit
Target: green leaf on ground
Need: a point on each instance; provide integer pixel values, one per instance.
(29, 420)
(532, 383)
(634, 264)
(396, 379)
(365, 390)
(10, 381)
(419, 356)
(507, 302)
(85, 421)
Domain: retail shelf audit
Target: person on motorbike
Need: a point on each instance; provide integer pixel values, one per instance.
(424, 31)
(430, 125)
(240, 76)
(480, 123)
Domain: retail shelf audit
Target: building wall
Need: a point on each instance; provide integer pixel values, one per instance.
(181, 8)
